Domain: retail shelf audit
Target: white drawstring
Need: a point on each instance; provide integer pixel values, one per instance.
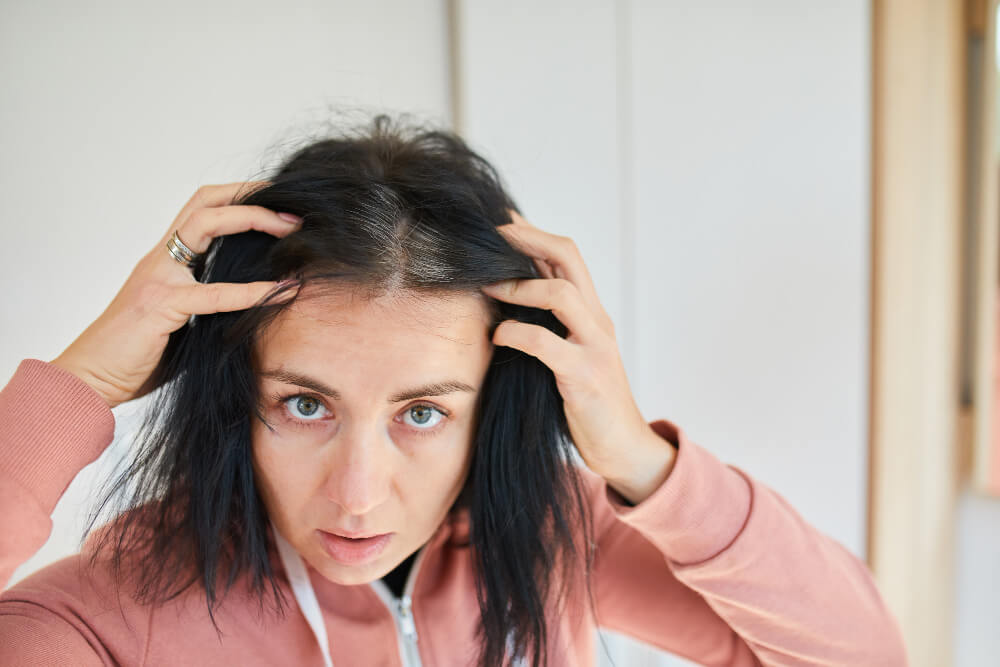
(304, 592)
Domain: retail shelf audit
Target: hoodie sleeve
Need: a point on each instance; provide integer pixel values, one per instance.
(52, 424)
(716, 567)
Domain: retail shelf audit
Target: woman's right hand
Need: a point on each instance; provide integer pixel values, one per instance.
(118, 352)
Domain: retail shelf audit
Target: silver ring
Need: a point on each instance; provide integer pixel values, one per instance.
(181, 252)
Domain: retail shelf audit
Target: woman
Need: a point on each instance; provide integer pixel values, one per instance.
(373, 414)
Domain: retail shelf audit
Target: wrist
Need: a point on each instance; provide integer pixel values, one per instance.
(101, 388)
(648, 466)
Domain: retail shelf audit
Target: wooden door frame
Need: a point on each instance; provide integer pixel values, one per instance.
(919, 430)
(980, 459)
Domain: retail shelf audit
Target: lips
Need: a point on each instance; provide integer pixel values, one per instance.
(354, 536)
(353, 551)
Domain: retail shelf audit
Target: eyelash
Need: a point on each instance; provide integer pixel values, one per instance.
(282, 399)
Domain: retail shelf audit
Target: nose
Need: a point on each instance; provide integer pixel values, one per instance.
(359, 474)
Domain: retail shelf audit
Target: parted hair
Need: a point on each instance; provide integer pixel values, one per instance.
(389, 204)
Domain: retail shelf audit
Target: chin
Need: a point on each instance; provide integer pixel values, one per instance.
(351, 575)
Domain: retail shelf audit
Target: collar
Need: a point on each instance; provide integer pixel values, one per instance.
(454, 529)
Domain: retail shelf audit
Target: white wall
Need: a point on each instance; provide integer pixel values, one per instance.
(977, 529)
(110, 118)
(977, 571)
(712, 162)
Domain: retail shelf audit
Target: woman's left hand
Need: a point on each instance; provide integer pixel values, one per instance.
(613, 438)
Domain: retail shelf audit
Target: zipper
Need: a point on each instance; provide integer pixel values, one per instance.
(401, 609)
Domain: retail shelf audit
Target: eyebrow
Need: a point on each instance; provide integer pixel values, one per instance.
(431, 389)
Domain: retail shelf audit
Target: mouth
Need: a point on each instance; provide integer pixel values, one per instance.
(353, 550)
(354, 536)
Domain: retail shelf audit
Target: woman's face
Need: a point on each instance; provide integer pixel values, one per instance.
(372, 406)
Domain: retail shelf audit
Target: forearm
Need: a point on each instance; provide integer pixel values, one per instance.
(790, 592)
(51, 426)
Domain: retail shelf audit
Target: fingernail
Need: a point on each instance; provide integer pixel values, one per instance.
(289, 217)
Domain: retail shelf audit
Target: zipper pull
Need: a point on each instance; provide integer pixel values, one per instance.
(406, 618)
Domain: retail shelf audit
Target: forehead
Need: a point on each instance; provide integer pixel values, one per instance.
(336, 318)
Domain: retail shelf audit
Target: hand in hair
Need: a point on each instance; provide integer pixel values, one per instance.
(606, 426)
(117, 353)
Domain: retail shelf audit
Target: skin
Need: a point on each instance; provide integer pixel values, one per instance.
(365, 467)
(361, 470)
(359, 463)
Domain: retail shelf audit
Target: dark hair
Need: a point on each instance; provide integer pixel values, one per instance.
(389, 205)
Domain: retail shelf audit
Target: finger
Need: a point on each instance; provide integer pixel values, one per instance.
(204, 299)
(543, 267)
(517, 219)
(558, 354)
(556, 294)
(206, 223)
(214, 195)
(223, 194)
(560, 252)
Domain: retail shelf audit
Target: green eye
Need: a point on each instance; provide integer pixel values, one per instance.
(305, 407)
(423, 416)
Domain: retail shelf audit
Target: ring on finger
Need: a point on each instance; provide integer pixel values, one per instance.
(180, 252)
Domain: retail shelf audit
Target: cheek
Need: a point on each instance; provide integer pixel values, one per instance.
(449, 466)
(276, 476)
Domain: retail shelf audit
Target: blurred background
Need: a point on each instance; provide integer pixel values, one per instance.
(788, 208)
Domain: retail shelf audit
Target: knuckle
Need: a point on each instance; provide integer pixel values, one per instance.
(608, 344)
(537, 336)
(201, 222)
(562, 290)
(210, 189)
(195, 221)
(200, 195)
(201, 216)
(149, 296)
(568, 243)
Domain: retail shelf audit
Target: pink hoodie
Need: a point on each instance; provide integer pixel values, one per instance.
(714, 567)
